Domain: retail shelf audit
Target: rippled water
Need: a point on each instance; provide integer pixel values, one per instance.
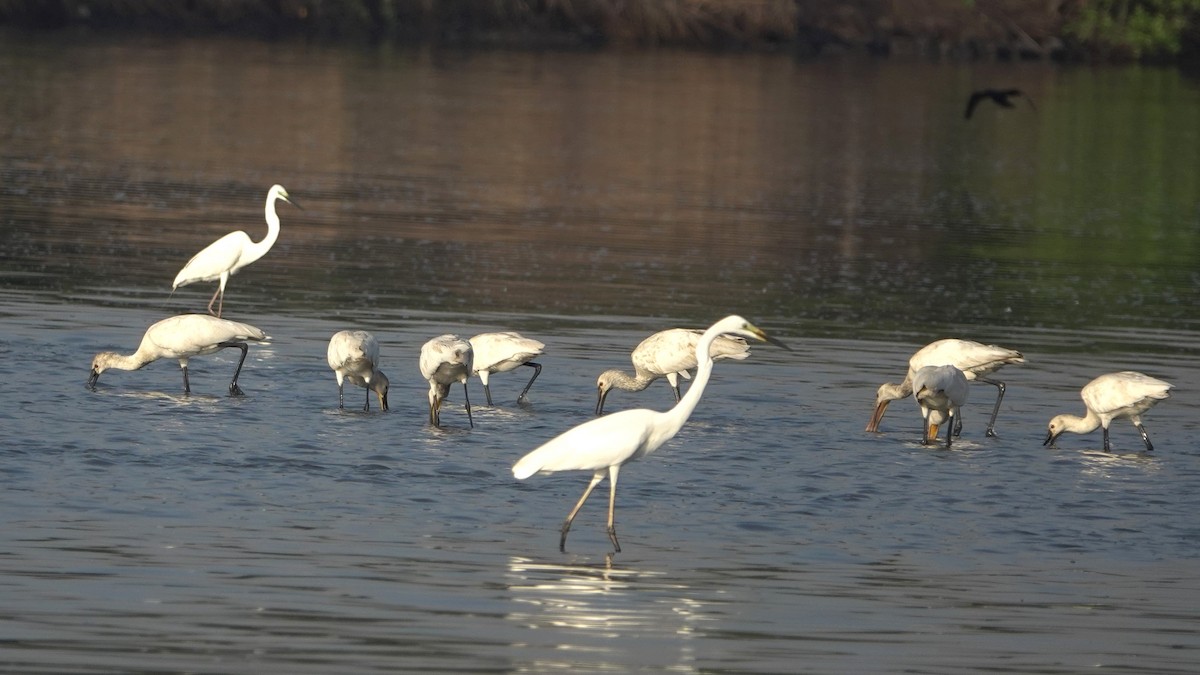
(556, 194)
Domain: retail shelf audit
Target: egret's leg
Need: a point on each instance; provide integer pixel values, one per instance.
(1106, 446)
(991, 427)
(467, 398)
(612, 505)
(234, 389)
(537, 370)
(216, 293)
(1145, 437)
(566, 527)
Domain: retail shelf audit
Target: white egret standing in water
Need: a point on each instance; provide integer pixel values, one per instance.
(670, 353)
(444, 360)
(1126, 394)
(940, 391)
(354, 355)
(975, 359)
(225, 256)
(182, 337)
(502, 352)
(604, 444)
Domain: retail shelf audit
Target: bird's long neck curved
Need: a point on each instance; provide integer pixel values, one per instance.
(1081, 425)
(259, 248)
(134, 361)
(638, 382)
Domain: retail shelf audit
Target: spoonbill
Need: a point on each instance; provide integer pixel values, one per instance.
(670, 353)
(1000, 97)
(975, 359)
(354, 355)
(225, 256)
(444, 360)
(1112, 396)
(502, 352)
(603, 445)
(182, 337)
(940, 391)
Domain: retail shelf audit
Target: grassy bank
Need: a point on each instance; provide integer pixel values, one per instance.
(945, 28)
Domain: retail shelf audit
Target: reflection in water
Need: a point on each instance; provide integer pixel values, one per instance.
(607, 616)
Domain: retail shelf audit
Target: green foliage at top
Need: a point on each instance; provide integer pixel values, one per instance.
(1134, 28)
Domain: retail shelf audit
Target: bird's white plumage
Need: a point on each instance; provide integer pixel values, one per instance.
(1122, 395)
(975, 359)
(604, 444)
(671, 354)
(940, 392)
(500, 352)
(225, 256)
(445, 359)
(181, 337)
(354, 355)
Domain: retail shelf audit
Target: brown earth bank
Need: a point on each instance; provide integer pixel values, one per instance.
(969, 29)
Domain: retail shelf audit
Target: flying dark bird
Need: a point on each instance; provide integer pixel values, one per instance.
(1002, 98)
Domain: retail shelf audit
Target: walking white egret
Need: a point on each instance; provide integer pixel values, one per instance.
(604, 444)
(354, 355)
(975, 359)
(182, 337)
(940, 391)
(1112, 396)
(670, 353)
(225, 256)
(502, 352)
(444, 360)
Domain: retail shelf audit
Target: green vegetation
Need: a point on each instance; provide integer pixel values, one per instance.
(1134, 29)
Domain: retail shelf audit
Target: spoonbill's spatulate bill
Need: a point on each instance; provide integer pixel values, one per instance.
(1123, 395)
(502, 352)
(182, 337)
(940, 392)
(446, 359)
(225, 256)
(670, 353)
(604, 444)
(975, 359)
(354, 355)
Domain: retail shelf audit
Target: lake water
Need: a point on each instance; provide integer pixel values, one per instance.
(589, 199)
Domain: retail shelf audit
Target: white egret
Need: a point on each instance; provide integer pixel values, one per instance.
(975, 359)
(1126, 394)
(604, 444)
(225, 256)
(182, 337)
(502, 352)
(940, 391)
(670, 353)
(354, 355)
(444, 360)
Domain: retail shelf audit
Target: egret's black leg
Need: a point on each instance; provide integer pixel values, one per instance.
(566, 526)
(1145, 437)
(234, 389)
(537, 370)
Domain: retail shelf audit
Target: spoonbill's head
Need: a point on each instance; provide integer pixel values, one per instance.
(100, 363)
(379, 385)
(886, 394)
(1054, 430)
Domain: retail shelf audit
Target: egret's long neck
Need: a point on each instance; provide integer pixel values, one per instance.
(676, 416)
(259, 248)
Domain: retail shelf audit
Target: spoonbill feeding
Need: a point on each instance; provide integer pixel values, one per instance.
(502, 352)
(354, 355)
(225, 256)
(940, 391)
(670, 353)
(975, 359)
(182, 337)
(1112, 396)
(603, 445)
(444, 360)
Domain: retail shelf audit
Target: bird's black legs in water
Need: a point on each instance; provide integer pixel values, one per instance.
(950, 428)
(537, 370)
(675, 389)
(341, 401)
(566, 527)
(612, 507)
(187, 388)
(467, 398)
(991, 427)
(367, 405)
(487, 391)
(234, 389)
(1106, 446)
(1145, 438)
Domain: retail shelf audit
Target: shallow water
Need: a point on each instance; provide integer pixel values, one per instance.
(556, 194)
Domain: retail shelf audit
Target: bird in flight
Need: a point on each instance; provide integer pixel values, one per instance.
(1002, 98)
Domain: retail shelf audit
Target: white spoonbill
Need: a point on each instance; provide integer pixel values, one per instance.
(670, 353)
(444, 360)
(502, 352)
(354, 355)
(182, 337)
(975, 359)
(604, 444)
(1126, 394)
(940, 391)
(225, 256)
